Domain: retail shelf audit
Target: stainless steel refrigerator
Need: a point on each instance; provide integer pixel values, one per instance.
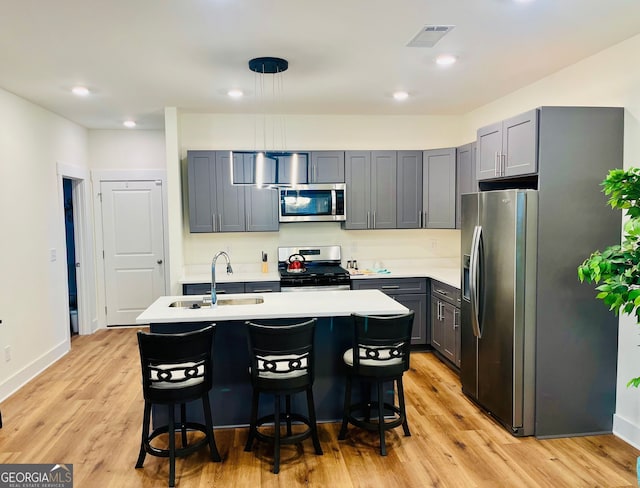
(499, 250)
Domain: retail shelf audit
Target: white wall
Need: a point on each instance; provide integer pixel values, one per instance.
(127, 149)
(33, 289)
(320, 132)
(610, 78)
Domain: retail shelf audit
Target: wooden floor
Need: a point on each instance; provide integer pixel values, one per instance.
(86, 410)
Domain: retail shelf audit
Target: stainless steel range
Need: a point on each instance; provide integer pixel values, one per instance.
(312, 268)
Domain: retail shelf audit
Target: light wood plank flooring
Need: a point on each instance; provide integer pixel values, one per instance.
(87, 409)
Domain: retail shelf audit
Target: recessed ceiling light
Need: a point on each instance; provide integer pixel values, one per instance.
(81, 91)
(445, 60)
(401, 95)
(235, 93)
(129, 123)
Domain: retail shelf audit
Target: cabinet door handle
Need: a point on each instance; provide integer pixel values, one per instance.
(368, 226)
(374, 219)
(220, 221)
(390, 287)
(442, 292)
(213, 218)
(456, 314)
(265, 290)
(503, 164)
(495, 163)
(419, 219)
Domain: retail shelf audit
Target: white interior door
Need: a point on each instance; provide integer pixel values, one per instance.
(132, 224)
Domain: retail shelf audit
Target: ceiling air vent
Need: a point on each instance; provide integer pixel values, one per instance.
(429, 35)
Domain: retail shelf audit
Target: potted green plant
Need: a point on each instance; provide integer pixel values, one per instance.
(616, 270)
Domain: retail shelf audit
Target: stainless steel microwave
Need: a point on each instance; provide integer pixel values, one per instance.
(313, 203)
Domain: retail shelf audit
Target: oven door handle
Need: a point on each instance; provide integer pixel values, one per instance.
(287, 289)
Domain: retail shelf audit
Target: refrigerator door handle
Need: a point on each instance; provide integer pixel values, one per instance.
(474, 266)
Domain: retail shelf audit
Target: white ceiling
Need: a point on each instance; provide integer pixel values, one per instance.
(345, 56)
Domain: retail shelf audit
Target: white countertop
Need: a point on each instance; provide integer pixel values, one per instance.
(276, 305)
(446, 270)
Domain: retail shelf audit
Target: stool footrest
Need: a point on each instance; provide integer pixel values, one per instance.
(374, 426)
(284, 439)
(179, 451)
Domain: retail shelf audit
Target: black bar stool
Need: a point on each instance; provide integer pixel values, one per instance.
(176, 369)
(380, 354)
(282, 363)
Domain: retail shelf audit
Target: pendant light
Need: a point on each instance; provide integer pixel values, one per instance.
(272, 165)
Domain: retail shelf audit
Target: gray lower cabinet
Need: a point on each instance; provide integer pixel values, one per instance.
(371, 181)
(410, 292)
(409, 182)
(205, 288)
(508, 148)
(231, 287)
(439, 189)
(445, 321)
(215, 205)
(465, 176)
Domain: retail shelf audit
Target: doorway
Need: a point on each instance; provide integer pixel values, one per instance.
(77, 227)
(67, 189)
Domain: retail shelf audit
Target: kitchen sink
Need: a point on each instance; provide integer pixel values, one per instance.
(200, 303)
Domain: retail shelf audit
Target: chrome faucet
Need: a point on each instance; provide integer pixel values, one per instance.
(213, 273)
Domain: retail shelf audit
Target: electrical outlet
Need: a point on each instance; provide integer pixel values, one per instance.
(433, 243)
(53, 255)
(7, 353)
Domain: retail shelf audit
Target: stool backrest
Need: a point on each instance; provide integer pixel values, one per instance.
(176, 367)
(382, 343)
(281, 353)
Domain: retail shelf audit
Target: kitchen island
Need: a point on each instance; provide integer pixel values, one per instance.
(231, 394)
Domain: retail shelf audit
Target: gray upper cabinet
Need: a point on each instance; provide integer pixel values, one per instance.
(358, 180)
(508, 148)
(409, 181)
(215, 205)
(292, 168)
(314, 167)
(230, 199)
(371, 189)
(201, 170)
(439, 188)
(261, 206)
(383, 189)
(465, 175)
(326, 167)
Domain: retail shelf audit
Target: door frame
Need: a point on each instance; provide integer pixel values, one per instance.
(97, 177)
(83, 232)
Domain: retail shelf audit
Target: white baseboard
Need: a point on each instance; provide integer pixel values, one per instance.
(26, 374)
(626, 430)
